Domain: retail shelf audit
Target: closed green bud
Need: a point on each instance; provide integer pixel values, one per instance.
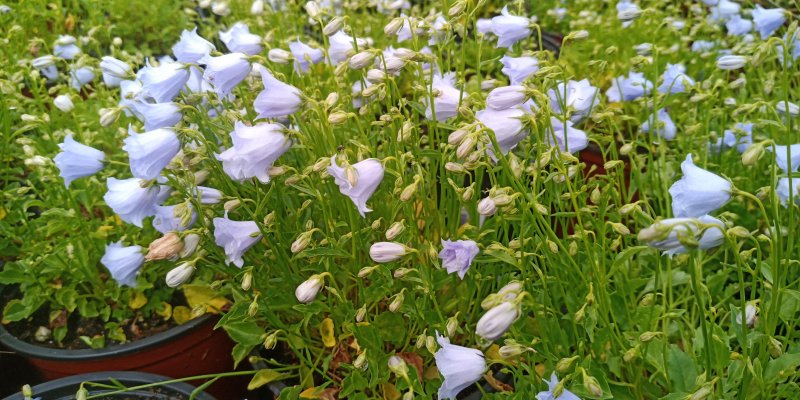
(565, 364)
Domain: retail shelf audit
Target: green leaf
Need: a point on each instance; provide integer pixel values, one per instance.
(263, 377)
(781, 368)
(247, 333)
(678, 277)
(353, 383)
(239, 352)
(502, 256)
(16, 310)
(323, 252)
(681, 369)
(15, 273)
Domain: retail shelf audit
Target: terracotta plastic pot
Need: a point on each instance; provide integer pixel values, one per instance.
(191, 349)
(65, 388)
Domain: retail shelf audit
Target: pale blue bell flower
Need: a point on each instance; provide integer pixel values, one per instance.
(77, 160)
(123, 262)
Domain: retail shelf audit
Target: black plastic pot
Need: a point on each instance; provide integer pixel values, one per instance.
(65, 388)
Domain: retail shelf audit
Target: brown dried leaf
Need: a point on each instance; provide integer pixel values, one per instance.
(415, 360)
(496, 384)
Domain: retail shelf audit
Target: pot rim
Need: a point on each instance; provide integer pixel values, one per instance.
(125, 377)
(48, 353)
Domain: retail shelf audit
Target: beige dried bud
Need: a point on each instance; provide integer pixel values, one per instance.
(167, 247)
(395, 230)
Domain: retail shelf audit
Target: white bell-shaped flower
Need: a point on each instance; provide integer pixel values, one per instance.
(698, 192)
(133, 199)
(278, 99)
(238, 39)
(151, 151)
(77, 160)
(358, 181)
(460, 366)
(236, 237)
(192, 48)
(123, 262)
(255, 149)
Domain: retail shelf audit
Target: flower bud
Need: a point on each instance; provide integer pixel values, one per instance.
(455, 168)
(257, 8)
(366, 271)
(731, 62)
(648, 336)
(252, 310)
(42, 334)
(108, 116)
(393, 26)
(361, 313)
(496, 321)
(313, 10)
(430, 344)
(591, 384)
(395, 230)
(361, 360)
(307, 291)
(361, 60)
(752, 154)
(231, 205)
(82, 394)
(467, 194)
(457, 8)
(452, 325)
(647, 300)
(279, 56)
(486, 207)
(271, 340)
(383, 252)
(180, 274)
(739, 232)
(333, 26)
(166, 247)
(376, 76)
(397, 302)
(466, 147)
(631, 354)
(775, 347)
(247, 280)
(565, 364)
(27, 392)
(512, 350)
(398, 366)
(337, 118)
(408, 191)
(63, 103)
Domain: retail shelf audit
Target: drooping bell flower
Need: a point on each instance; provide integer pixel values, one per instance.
(46, 65)
(238, 39)
(133, 199)
(164, 82)
(151, 151)
(566, 137)
(278, 99)
(174, 218)
(340, 47)
(579, 96)
(114, 71)
(130, 96)
(208, 195)
(446, 97)
(124, 263)
(77, 160)
(66, 48)
(738, 26)
(509, 28)
(506, 125)
(664, 127)
(783, 159)
(226, 71)
(768, 20)
(723, 10)
(784, 190)
(437, 31)
(255, 149)
(410, 28)
(518, 69)
(629, 88)
(236, 237)
(304, 55)
(701, 46)
(733, 138)
(158, 115)
(497, 320)
(550, 393)
(675, 80)
(457, 256)
(358, 181)
(794, 48)
(484, 26)
(698, 192)
(460, 366)
(672, 235)
(78, 77)
(192, 48)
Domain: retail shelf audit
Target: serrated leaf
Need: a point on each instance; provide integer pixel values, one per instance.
(263, 377)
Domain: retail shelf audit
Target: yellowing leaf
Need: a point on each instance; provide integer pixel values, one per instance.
(493, 353)
(165, 311)
(3, 213)
(198, 295)
(181, 314)
(137, 301)
(263, 377)
(326, 331)
(311, 393)
(390, 392)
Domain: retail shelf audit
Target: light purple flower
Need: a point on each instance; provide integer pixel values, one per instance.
(457, 256)
(667, 234)
(446, 97)
(510, 28)
(675, 80)
(164, 82)
(66, 48)
(740, 142)
(255, 149)
(783, 190)
(278, 99)
(340, 47)
(566, 137)
(157, 115)
(77, 160)
(368, 175)
(165, 219)
(208, 195)
(579, 96)
(78, 77)
(551, 386)
(123, 263)
(506, 125)
(130, 200)
(304, 55)
(460, 366)
(629, 88)
(738, 26)
(192, 48)
(225, 72)
(664, 127)
(518, 69)
(236, 237)
(698, 192)
(151, 151)
(768, 20)
(238, 39)
(506, 97)
(783, 160)
(114, 71)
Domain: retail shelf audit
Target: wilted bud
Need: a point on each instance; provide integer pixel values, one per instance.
(397, 302)
(467, 194)
(180, 274)
(333, 26)
(565, 364)
(307, 291)
(591, 384)
(486, 207)
(247, 280)
(393, 26)
(361, 360)
(775, 347)
(631, 354)
(313, 10)
(395, 230)
(165, 247)
(42, 334)
(647, 300)
(279, 56)
(703, 393)
(269, 219)
(361, 60)
(398, 366)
